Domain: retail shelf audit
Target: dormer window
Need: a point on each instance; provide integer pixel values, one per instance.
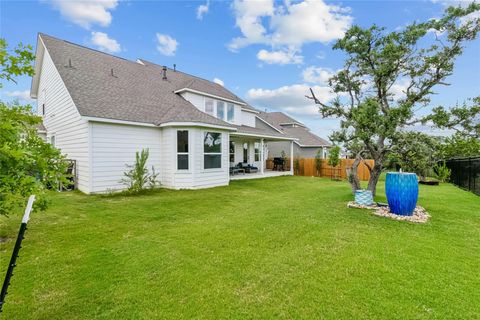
(230, 112)
(209, 107)
(220, 110)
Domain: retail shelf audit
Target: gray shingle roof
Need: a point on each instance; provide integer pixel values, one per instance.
(187, 81)
(303, 134)
(135, 92)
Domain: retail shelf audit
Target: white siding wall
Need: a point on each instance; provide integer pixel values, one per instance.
(63, 120)
(196, 176)
(114, 146)
(248, 119)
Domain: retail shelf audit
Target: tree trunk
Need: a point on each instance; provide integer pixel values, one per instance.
(374, 176)
(353, 175)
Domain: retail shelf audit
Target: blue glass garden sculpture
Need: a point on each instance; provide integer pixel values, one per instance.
(402, 192)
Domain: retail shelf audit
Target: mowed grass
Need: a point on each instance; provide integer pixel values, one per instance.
(278, 248)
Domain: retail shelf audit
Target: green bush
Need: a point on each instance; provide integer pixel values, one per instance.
(442, 172)
(138, 177)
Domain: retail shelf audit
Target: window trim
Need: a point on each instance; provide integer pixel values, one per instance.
(212, 153)
(256, 151)
(217, 102)
(230, 152)
(53, 140)
(183, 153)
(233, 113)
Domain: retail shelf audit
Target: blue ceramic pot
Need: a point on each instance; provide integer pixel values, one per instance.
(364, 197)
(402, 192)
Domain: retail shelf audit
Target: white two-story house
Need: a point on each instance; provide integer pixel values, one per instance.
(100, 109)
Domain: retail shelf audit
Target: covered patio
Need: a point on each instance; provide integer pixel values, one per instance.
(248, 148)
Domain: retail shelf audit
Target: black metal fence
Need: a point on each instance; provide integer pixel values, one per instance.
(465, 173)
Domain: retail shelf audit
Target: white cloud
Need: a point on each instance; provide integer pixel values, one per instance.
(399, 88)
(290, 25)
(166, 45)
(279, 57)
(248, 18)
(202, 10)
(104, 43)
(470, 17)
(317, 75)
(23, 95)
(290, 99)
(218, 81)
(86, 12)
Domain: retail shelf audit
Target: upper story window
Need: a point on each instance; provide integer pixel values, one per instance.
(221, 110)
(212, 150)
(182, 150)
(230, 112)
(209, 107)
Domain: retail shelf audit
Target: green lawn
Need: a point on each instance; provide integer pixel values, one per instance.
(274, 248)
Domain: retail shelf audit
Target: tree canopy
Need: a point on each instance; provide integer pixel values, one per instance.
(373, 115)
(28, 165)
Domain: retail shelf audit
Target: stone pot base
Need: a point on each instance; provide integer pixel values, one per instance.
(419, 214)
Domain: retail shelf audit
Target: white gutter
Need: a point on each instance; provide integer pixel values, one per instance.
(195, 124)
(107, 120)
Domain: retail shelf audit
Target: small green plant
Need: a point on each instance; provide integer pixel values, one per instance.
(334, 160)
(318, 162)
(138, 177)
(442, 172)
(296, 165)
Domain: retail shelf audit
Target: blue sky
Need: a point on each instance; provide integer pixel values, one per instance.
(267, 53)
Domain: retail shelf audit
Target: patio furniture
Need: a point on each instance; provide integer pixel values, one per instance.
(279, 164)
(236, 169)
(247, 167)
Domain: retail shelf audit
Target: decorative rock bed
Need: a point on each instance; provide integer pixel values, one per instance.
(419, 214)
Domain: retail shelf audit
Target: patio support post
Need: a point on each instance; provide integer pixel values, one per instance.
(291, 156)
(262, 156)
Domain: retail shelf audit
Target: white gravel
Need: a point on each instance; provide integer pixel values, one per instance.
(419, 214)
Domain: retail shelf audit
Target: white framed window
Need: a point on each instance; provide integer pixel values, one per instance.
(212, 150)
(257, 151)
(221, 110)
(230, 112)
(245, 152)
(53, 140)
(209, 106)
(182, 150)
(232, 151)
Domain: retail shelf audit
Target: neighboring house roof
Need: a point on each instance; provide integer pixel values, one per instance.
(135, 92)
(279, 120)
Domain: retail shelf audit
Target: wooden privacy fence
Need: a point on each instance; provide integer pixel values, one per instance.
(307, 168)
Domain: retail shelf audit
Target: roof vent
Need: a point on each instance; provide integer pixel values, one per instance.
(69, 65)
(164, 71)
(112, 74)
(174, 67)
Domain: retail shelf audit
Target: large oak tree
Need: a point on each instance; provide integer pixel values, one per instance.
(422, 56)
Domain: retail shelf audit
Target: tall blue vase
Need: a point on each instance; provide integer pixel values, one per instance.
(402, 192)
